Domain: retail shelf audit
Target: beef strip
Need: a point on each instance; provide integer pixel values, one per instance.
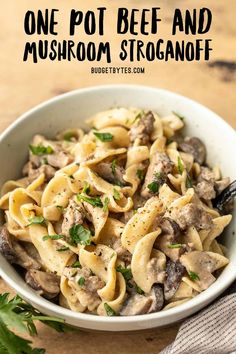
(15, 252)
(195, 147)
(174, 273)
(73, 215)
(47, 284)
(193, 215)
(205, 186)
(33, 172)
(122, 252)
(142, 129)
(158, 170)
(114, 176)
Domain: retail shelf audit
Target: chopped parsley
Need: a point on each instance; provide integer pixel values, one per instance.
(138, 116)
(104, 137)
(76, 264)
(113, 166)
(81, 281)
(189, 182)
(178, 115)
(41, 150)
(44, 161)
(140, 174)
(126, 272)
(193, 276)
(80, 235)
(180, 166)
(116, 194)
(86, 188)
(52, 237)
(153, 187)
(95, 201)
(105, 204)
(174, 245)
(139, 290)
(62, 249)
(37, 220)
(68, 136)
(109, 310)
(169, 141)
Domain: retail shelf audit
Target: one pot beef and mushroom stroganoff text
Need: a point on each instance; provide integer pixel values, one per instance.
(117, 220)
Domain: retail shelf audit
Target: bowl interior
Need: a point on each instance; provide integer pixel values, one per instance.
(70, 110)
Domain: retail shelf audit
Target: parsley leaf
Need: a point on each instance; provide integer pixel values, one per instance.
(79, 234)
(41, 150)
(95, 201)
(189, 182)
(140, 174)
(68, 136)
(116, 194)
(81, 281)
(180, 166)
(37, 220)
(178, 115)
(174, 245)
(105, 204)
(139, 290)
(193, 276)
(104, 137)
(76, 264)
(113, 166)
(109, 310)
(153, 187)
(86, 188)
(126, 272)
(52, 237)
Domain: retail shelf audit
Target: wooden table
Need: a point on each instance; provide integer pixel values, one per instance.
(25, 84)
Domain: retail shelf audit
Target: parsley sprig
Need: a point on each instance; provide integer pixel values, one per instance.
(18, 315)
(80, 235)
(40, 150)
(104, 137)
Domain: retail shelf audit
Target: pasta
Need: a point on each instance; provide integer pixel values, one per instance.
(119, 218)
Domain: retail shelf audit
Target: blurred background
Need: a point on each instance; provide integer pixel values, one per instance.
(25, 84)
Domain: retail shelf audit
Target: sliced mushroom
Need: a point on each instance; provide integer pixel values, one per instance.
(195, 147)
(136, 305)
(47, 284)
(112, 175)
(142, 129)
(157, 297)
(32, 173)
(174, 273)
(15, 252)
(206, 182)
(169, 226)
(193, 215)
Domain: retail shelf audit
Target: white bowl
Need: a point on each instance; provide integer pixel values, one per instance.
(70, 110)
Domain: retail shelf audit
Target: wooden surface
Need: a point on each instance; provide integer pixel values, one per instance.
(23, 85)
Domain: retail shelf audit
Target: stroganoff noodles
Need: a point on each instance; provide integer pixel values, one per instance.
(117, 220)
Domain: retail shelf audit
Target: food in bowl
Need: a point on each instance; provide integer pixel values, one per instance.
(117, 220)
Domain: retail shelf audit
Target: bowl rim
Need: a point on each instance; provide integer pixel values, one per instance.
(205, 297)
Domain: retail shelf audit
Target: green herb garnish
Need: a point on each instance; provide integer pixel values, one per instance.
(41, 150)
(109, 310)
(126, 272)
(116, 194)
(113, 166)
(139, 290)
(140, 174)
(76, 264)
(104, 137)
(189, 182)
(154, 187)
(178, 115)
(174, 245)
(81, 281)
(62, 249)
(193, 276)
(68, 136)
(138, 116)
(95, 201)
(37, 220)
(86, 188)
(80, 235)
(180, 166)
(18, 315)
(105, 204)
(52, 237)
